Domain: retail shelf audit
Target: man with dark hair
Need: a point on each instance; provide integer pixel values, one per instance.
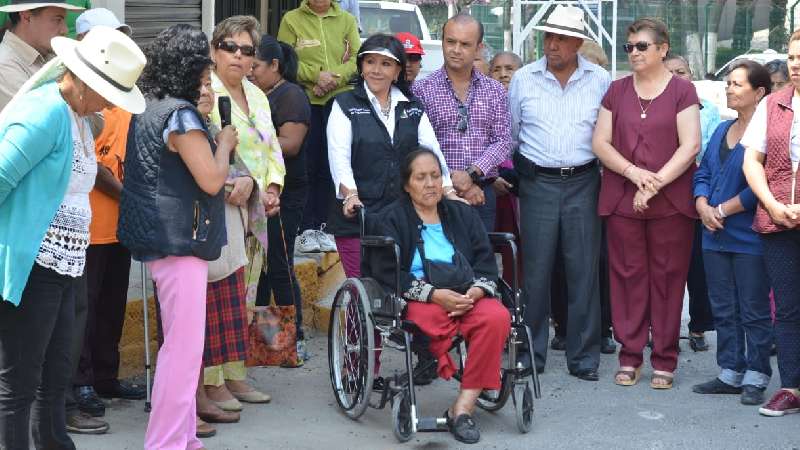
(469, 113)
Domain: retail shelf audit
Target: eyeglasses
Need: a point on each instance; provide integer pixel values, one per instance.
(641, 46)
(232, 47)
(463, 118)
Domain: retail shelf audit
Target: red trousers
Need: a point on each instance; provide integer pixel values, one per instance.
(648, 262)
(485, 329)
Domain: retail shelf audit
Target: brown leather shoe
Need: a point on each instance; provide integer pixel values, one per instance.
(219, 416)
(204, 430)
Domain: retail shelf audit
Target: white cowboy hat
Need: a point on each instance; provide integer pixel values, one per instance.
(566, 21)
(109, 62)
(27, 5)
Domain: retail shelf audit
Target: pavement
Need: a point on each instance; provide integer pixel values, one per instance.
(572, 414)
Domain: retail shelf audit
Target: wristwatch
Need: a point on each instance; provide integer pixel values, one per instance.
(473, 174)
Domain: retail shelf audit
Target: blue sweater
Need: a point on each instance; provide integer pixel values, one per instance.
(719, 183)
(35, 167)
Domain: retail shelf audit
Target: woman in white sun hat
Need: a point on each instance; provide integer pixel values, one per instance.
(47, 168)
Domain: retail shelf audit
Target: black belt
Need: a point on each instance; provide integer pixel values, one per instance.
(566, 172)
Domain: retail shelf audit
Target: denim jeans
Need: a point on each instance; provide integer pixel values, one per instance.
(35, 362)
(739, 295)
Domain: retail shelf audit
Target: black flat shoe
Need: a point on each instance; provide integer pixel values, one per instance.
(378, 384)
(463, 428)
(716, 386)
(118, 389)
(88, 401)
(608, 346)
(752, 395)
(558, 343)
(426, 370)
(585, 374)
(698, 343)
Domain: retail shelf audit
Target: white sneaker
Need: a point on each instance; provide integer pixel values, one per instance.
(307, 242)
(326, 241)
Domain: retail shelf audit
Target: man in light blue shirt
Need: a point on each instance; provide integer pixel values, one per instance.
(352, 7)
(554, 104)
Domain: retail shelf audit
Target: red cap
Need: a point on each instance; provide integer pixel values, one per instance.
(410, 43)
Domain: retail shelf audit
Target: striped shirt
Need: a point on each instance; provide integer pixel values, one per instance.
(554, 126)
(486, 141)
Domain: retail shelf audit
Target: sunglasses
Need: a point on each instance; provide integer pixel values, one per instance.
(463, 118)
(641, 46)
(232, 47)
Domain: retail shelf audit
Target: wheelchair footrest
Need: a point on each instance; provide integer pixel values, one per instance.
(432, 424)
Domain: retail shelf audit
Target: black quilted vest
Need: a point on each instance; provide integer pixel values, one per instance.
(374, 157)
(163, 212)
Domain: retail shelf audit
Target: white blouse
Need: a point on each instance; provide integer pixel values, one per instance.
(64, 246)
(755, 136)
(340, 137)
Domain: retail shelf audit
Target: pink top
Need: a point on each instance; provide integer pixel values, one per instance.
(648, 143)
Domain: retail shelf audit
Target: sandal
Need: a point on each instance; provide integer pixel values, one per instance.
(666, 377)
(632, 375)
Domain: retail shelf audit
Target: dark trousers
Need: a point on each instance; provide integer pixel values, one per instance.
(108, 268)
(319, 172)
(739, 293)
(488, 210)
(76, 346)
(782, 258)
(648, 260)
(553, 208)
(35, 362)
(558, 293)
(700, 316)
(280, 279)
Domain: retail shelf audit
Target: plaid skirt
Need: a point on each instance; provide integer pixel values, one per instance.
(226, 321)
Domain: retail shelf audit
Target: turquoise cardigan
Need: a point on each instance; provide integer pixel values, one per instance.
(35, 167)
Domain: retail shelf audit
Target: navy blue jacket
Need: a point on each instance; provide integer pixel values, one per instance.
(719, 183)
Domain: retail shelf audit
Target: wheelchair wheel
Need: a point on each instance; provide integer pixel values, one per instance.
(523, 406)
(401, 416)
(495, 400)
(351, 348)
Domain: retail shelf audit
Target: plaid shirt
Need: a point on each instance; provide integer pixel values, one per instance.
(487, 140)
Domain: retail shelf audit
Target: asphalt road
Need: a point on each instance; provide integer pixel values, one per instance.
(571, 414)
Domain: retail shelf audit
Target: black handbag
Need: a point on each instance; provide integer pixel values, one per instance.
(457, 275)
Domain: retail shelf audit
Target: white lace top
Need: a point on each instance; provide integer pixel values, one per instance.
(64, 246)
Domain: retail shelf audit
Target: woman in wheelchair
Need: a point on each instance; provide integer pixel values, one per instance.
(448, 276)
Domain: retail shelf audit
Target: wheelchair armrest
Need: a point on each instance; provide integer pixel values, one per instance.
(377, 241)
(501, 238)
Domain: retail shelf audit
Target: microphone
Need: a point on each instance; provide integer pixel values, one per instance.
(224, 103)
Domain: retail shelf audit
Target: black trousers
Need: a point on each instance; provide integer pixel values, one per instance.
(76, 346)
(319, 172)
(279, 278)
(701, 318)
(108, 268)
(558, 293)
(35, 362)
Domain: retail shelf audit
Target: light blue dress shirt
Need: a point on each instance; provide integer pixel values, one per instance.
(352, 7)
(553, 126)
(709, 120)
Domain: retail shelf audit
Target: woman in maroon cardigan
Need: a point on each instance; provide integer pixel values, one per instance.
(647, 136)
(772, 153)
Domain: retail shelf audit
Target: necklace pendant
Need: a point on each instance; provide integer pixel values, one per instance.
(643, 115)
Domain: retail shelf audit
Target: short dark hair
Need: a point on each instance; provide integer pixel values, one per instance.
(405, 169)
(176, 60)
(464, 18)
(778, 66)
(395, 47)
(14, 17)
(757, 75)
(270, 48)
(655, 26)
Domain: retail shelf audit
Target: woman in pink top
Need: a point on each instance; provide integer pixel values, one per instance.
(647, 136)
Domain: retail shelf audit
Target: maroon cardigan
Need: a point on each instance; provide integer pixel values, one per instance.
(778, 161)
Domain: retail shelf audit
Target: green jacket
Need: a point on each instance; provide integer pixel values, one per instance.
(320, 43)
(72, 16)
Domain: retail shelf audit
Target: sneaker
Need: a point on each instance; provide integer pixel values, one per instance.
(302, 350)
(82, 423)
(89, 402)
(307, 242)
(783, 402)
(326, 241)
(119, 389)
(752, 395)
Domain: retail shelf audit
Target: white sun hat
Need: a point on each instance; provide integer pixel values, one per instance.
(566, 21)
(27, 5)
(109, 62)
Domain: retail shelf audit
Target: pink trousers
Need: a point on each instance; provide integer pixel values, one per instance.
(181, 282)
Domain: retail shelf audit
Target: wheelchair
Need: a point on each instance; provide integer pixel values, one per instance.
(363, 313)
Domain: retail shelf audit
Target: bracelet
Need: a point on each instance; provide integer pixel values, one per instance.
(348, 197)
(721, 212)
(626, 169)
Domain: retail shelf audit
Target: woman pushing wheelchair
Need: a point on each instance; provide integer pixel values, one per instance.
(448, 276)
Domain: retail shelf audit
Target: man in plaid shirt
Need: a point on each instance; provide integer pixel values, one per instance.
(469, 113)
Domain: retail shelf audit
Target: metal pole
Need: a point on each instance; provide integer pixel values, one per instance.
(146, 320)
(705, 38)
(791, 16)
